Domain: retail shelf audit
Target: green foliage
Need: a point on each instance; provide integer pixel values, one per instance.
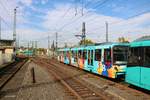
(87, 42)
(123, 40)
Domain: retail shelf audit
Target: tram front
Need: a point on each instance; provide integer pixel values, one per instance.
(120, 57)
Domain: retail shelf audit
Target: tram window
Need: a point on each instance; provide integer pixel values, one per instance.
(67, 53)
(136, 57)
(75, 56)
(107, 55)
(80, 54)
(72, 53)
(147, 57)
(98, 54)
(85, 54)
(120, 54)
(92, 57)
(89, 57)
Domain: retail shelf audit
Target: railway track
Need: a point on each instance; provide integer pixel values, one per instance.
(73, 84)
(135, 91)
(8, 72)
(116, 83)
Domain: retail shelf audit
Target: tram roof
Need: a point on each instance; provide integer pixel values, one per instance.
(95, 46)
(140, 42)
(100, 45)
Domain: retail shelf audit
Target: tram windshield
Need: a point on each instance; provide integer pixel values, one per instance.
(120, 54)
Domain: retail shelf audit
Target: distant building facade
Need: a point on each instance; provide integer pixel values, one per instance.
(6, 51)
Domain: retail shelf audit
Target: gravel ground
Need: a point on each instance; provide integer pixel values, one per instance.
(101, 83)
(45, 87)
(10, 90)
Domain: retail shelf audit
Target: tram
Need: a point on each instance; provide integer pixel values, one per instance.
(106, 59)
(138, 67)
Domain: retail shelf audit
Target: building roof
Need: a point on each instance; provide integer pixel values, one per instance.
(6, 43)
(143, 38)
(4, 40)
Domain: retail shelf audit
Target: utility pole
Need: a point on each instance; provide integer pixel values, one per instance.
(56, 41)
(106, 31)
(14, 29)
(32, 47)
(35, 47)
(53, 47)
(18, 42)
(48, 46)
(28, 48)
(83, 33)
(82, 7)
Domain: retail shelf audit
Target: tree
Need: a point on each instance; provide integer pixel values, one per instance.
(123, 40)
(53, 46)
(87, 41)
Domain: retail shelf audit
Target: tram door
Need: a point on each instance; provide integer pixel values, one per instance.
(90, 57)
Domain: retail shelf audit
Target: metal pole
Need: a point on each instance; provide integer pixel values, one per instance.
(106, 31)
(56, 39)
(28, 49)
(48, 46)
(33, 75)
(56, 42)
(18, 42)
(82, 7)
(83, 33)
(14, 28)
(32, 47)
(35, 47)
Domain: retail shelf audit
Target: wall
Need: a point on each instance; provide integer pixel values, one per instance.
(6, 57)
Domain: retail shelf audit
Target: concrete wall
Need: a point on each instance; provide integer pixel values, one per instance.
(9, 51)
(6, 57)
(1, 60)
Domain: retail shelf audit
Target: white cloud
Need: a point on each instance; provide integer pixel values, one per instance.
(26, 2)
(44, 1)
(95, 25)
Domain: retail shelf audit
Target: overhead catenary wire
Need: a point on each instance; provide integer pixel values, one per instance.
(6, 10)
(71, 22)
(2, 20)
(117, 22)
(92, 19)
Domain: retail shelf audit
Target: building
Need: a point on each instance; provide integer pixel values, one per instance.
(6, 51)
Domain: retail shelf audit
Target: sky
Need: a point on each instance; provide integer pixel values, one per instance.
(38, 19)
